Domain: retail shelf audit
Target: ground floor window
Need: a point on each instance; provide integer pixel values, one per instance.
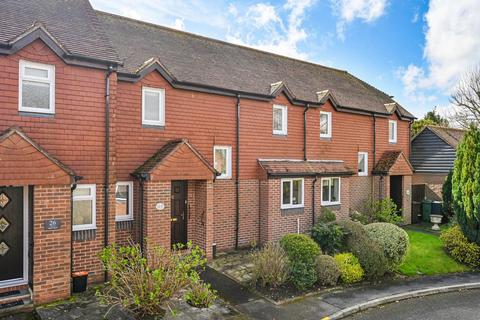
(84, 207)
(330, 191)
(292, 193)
(124, 201)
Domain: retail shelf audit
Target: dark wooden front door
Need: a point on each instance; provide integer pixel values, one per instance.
(11, 233)
(179, 212)
(396, 191)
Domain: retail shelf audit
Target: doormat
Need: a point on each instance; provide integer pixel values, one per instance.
(9, 293)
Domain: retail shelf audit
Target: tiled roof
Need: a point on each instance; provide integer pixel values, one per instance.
(164, 152)
(304, 168)
(73, 23)
(452, 136)
(387, 160)
(193, 59)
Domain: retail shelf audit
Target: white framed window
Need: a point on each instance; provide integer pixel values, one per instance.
(392, 131)
(331, 191)
(292, 193)
(124, 201)
(325, 124)
(36, 87)
(153, 106)
(363, 163)
(222, 159)
(84, 207)
(280, 119)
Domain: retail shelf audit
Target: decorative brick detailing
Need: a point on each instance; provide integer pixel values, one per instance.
(51, 268)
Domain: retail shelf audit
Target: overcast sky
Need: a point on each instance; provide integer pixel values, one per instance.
(413, 50)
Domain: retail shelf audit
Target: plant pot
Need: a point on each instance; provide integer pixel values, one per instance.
(80, 280)
(436, 220)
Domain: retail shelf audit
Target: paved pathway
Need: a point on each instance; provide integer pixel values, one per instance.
(460, 305)
(319, 306)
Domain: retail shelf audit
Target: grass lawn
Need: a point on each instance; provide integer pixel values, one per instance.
(427, 257)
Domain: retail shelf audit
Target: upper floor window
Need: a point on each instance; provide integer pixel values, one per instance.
(36, 87)
(330, 191)
(392, 131)
(84, 207)
(222, 159)
(280, 119)
(325, 124)
(153, 106)
(363, 163)
(292, 193)
(124, 201)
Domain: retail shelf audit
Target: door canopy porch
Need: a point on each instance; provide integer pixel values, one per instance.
(393, 163)
(24, 162)
(177, 160)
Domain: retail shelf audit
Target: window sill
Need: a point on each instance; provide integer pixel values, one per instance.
(123, 220)
(326, 138)
(330, 204)
(392, 142)
(280, 134)
(223, 178)
(153, 126)
(292, 211)
(36, 114)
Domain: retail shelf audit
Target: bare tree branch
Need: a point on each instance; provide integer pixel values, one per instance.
(467, 99)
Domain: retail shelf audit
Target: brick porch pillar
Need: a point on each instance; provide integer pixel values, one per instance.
(156, 223)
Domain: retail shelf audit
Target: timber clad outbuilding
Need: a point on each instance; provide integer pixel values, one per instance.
(116, 130)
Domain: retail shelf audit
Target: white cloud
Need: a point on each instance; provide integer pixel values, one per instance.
(452, 46)
(363, 10)
(275, 29)
(179, 24)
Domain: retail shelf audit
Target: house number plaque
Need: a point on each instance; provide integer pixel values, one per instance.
(52, 224)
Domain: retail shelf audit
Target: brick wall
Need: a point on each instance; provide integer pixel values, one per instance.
(156, 224)
(51, 268)
(433, 184)
(361, 189)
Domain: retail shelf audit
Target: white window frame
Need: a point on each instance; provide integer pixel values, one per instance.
(329, 124)
(93, 197)
(228, 175)
(290, 205)
(129, 216)
(394, 122)
(51, 81)
(284, 130)
(365, 168)
(161, 106)
(331, 203)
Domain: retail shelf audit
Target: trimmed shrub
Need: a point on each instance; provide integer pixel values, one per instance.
(300, 248)
(200, 295)
(384, 210)
(326, 215)
(303, 275)
(447, 196)
(350, 269)
(368, 251)
(329, 236)
(327, 270)
(392, 239)
(270, 265)
(460, 248)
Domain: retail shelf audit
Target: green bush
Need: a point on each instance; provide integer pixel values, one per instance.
(460, 248)
(300, 248)
(466, 184)
(270, 265)
(329, 236)
(327, 270)
(447, 196)
(392, 239)
(384, 210)
(368, 251)
(303, 275)
(350, 269)
(144, 283)
(326, 215)
(200, 294)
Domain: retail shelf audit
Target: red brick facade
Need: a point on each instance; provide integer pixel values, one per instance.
(75, 135)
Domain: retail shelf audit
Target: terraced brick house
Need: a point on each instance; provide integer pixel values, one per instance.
(116, 129)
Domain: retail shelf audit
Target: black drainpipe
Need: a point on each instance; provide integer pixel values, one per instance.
(374, 152)
(142, 178)
(73, 187)
(107, 158)
(313, 201)
(237, 173)
(307, 106)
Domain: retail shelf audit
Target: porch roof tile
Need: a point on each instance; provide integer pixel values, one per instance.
(288, 167)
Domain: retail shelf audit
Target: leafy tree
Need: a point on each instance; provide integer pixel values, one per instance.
(466, 184)
(431, 118)
(447, 195)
